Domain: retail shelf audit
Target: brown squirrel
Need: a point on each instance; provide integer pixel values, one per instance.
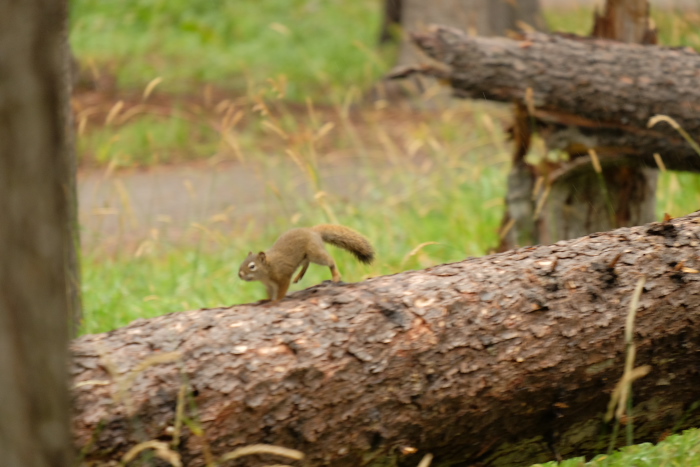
(299, 247)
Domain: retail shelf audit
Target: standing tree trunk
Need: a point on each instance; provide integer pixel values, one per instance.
(582, 201)
(35, 240)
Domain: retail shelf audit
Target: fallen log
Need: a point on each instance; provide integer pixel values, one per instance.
(608, 90)
(507, 359)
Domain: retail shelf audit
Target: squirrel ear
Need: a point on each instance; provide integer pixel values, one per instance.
(261, 256)
(250, 253)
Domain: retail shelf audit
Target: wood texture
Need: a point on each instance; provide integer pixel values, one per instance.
(34, 237)
(501, 360)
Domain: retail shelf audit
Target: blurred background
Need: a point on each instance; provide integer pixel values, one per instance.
(206, 129)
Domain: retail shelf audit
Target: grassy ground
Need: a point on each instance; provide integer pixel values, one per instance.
(676, 451)
(399, 203)
(319, 47)
(260, 82)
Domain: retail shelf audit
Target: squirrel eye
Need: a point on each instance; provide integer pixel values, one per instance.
(251, 266)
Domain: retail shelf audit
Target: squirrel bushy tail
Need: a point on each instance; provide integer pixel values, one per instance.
(347, 239)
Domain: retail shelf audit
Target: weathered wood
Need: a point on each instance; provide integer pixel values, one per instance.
(501, 360)
(34, 237)
(609, 90)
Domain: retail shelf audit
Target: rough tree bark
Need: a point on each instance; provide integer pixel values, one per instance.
(508, 360)
(34, 238)
(625, 21)
(577, 203)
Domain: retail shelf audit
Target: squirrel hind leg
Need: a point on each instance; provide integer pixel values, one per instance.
(335, 272)
(304, 267)
(324, 258)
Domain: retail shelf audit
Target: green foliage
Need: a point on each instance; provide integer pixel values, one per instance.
(148, 140)
(679, 450)
(678, 193)
(319, 46)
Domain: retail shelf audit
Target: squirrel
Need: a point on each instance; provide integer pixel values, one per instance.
(299, 247)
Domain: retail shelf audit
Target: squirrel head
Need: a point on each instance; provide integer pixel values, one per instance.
(254, 267)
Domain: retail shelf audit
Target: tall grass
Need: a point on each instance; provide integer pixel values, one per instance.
(392, 189)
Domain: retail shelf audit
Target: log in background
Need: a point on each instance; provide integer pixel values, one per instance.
(500, 360)
(608, 89)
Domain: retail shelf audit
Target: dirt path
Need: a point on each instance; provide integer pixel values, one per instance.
(121, 210)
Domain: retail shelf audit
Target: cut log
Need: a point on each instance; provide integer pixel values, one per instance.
(508, 359)
(609, 90)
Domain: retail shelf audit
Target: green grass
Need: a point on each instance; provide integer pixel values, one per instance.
(148, 141)
(256, 52)
(678, 194)
(400, 205)
(319, 46)
(681, 450)
(676, 28)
